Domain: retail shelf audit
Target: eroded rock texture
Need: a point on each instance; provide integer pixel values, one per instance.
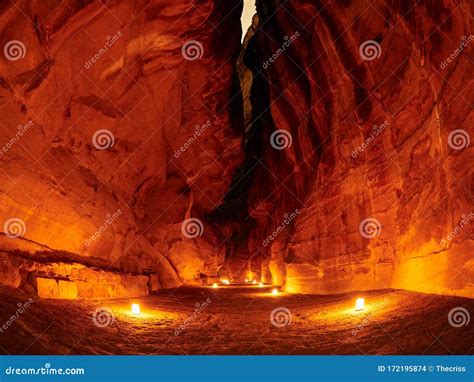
(348, 170)
(370, 131)
(118, 66)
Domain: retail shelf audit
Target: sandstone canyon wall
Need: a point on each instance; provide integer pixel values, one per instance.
(99, 102)
(367, 180)
(131, 161)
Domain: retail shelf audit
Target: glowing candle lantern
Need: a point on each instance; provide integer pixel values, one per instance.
(225, 281)
(136, 309)
(360, 302)
(254, 281)
(275, 291)
(214, 285)
(260, 285)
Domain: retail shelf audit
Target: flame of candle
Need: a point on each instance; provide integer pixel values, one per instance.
(360, 303)
(135, 308)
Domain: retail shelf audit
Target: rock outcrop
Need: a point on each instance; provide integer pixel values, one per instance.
(116, 128)
(365, 117)
(130, 156)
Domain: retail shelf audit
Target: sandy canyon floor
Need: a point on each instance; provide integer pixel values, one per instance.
(237, 320)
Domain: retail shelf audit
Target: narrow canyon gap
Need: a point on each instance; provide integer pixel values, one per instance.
(151, 145)
(368, 141)
(316, 88)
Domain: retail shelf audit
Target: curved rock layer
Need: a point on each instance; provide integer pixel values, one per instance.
(126, 167)
(116, 128)
(369, 184)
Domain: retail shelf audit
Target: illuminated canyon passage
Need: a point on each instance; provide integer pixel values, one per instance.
(173, 183)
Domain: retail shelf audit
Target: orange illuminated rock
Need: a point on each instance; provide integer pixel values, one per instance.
(125, 131)
(9, 272)
(57, 279)
(365, 101)
(47, 288)
(154, 283)
(67, 289)
(124, 152)
(52, 288)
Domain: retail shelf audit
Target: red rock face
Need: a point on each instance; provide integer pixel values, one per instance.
(126, 159)
(372, 105)
(126, 131)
